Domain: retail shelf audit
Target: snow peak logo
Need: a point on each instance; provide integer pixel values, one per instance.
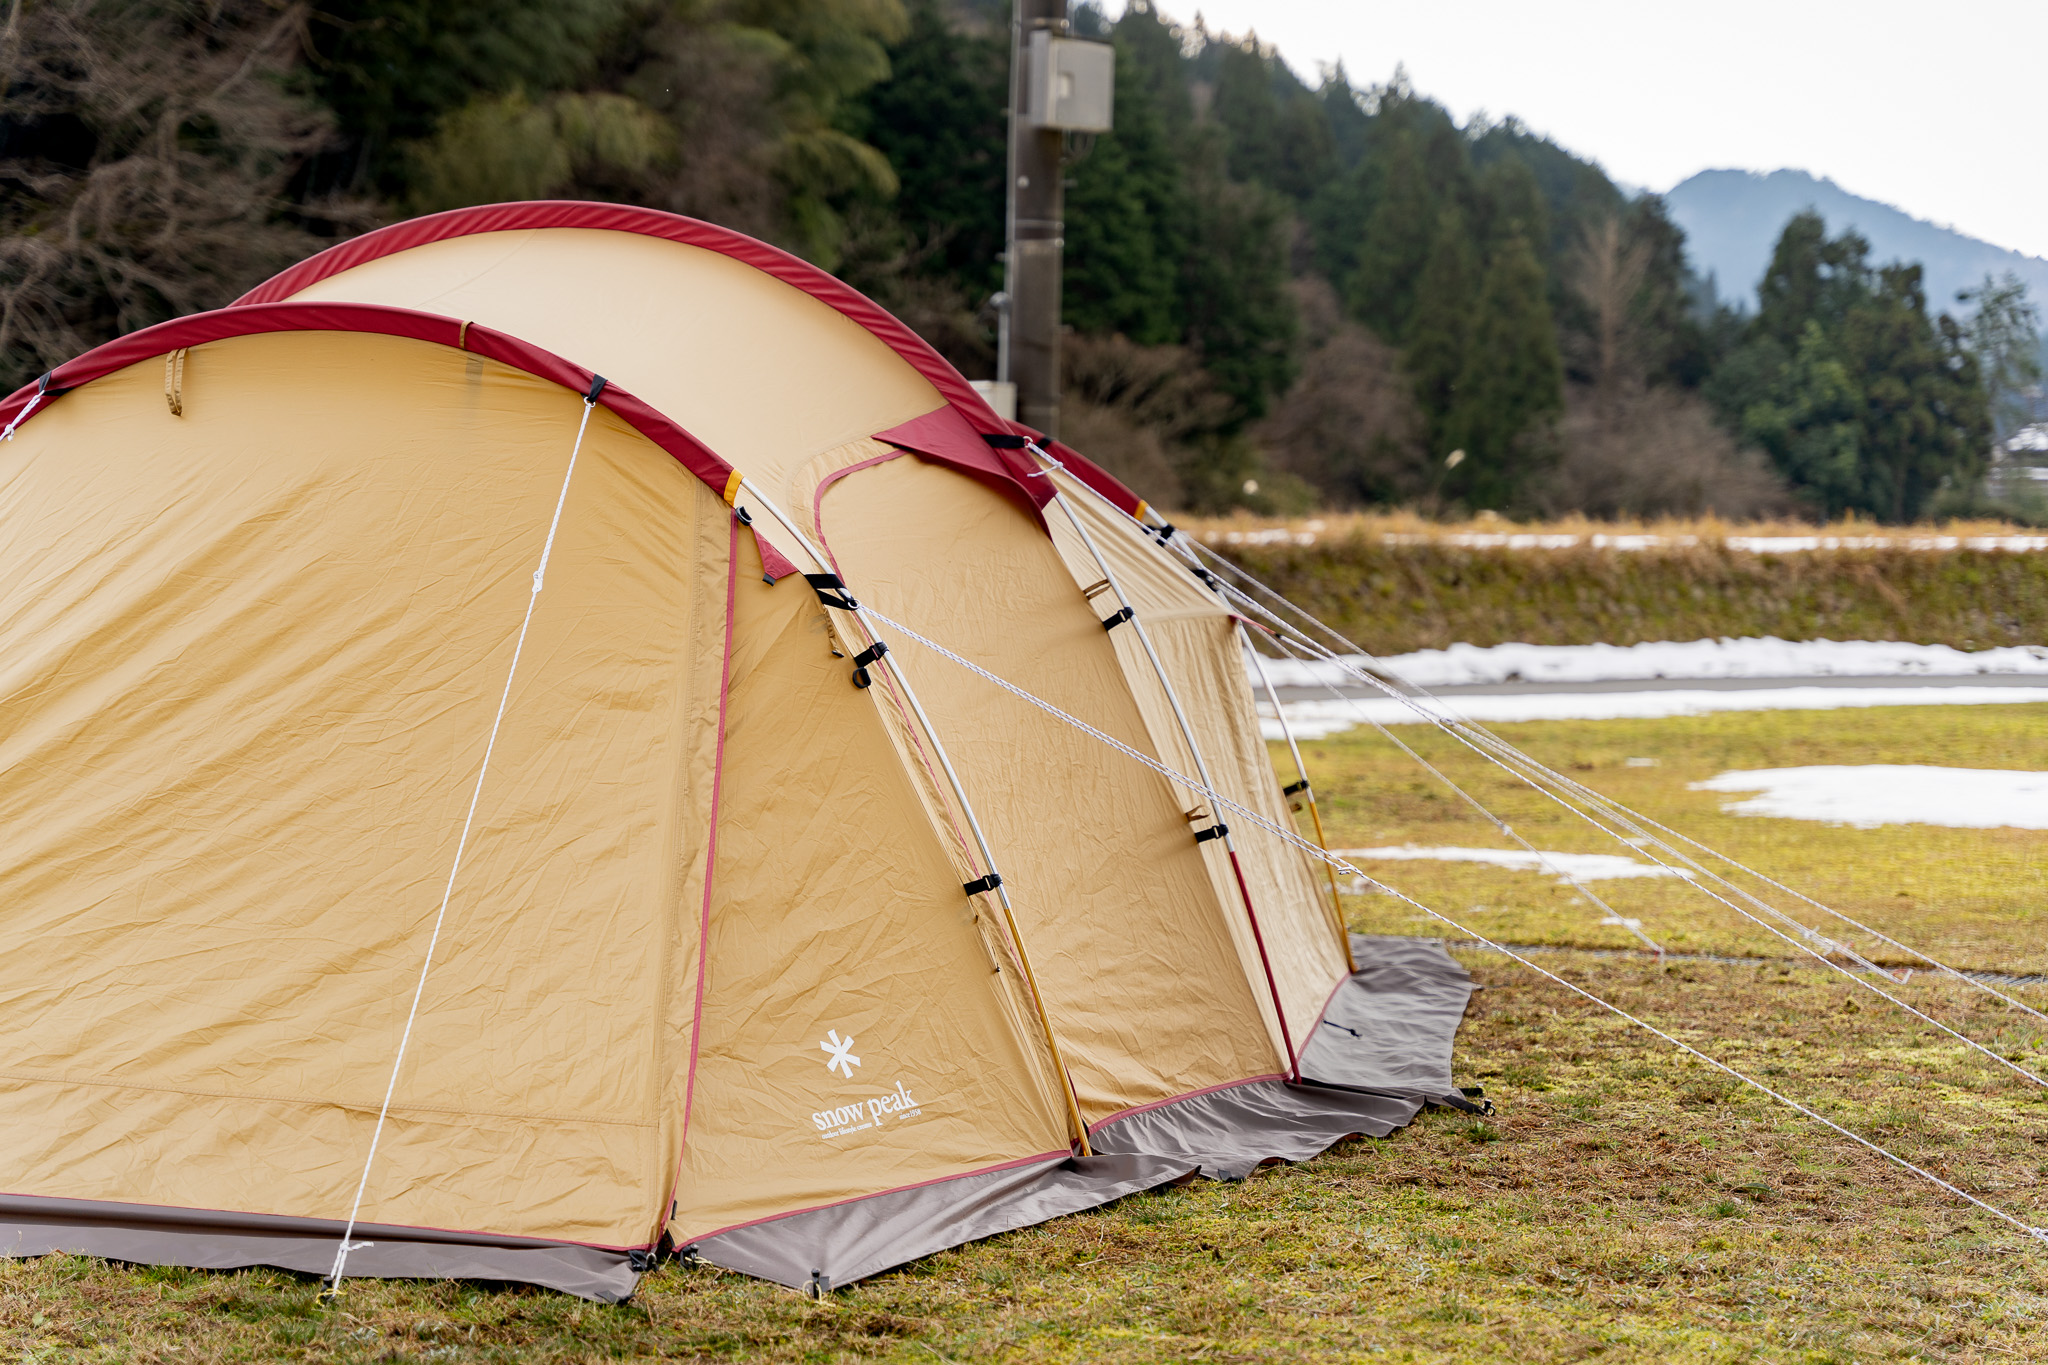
(898, 1104)
(839, 1048)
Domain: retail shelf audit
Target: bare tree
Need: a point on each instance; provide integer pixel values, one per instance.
(1349, 426)
(148, 151)
(1607, 271)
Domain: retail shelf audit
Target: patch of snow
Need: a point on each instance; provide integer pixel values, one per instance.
(1754, 657)
(1585, 867)
(1875, 794)
(1317, 719)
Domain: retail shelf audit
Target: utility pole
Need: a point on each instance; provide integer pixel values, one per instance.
(1058, 85)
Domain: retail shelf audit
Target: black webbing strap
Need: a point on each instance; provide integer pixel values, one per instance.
(861, 661)
(597, 383)
(1203, 836)
(1118, 617)
(831, 591)
(1005, 441)
(981, 884)
(1295, 788)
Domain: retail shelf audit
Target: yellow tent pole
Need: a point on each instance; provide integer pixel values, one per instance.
(1308, 794)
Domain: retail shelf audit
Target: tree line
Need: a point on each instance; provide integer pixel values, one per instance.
(1279, 294)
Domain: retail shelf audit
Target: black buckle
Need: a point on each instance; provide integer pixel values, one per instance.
(981, 884)
(831, 591)
(597, 383)
(1203, 836)
(861, 677)
(743, 516)
(1295, 788)
(1118, 617)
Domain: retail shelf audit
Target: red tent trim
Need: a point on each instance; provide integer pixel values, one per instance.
(960, 395)
(201, 328)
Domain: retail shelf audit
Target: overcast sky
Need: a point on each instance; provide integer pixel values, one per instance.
(1934, 107)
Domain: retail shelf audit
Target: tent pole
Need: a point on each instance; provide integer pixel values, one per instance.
(988, 860)
(1187, 733)
(1308, 793)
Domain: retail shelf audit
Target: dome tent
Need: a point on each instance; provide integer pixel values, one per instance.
(722, 958)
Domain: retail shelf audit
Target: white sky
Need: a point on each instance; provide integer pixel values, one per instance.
(1933, 107)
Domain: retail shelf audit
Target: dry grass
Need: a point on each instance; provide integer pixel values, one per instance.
(1329, 526)
(1625, 1204)
(1396, 583)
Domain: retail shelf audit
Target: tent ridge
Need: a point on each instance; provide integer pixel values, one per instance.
(674, 227)
(473, 338)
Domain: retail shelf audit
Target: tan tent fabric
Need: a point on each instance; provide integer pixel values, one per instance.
(1099, 855)
(1199, 646)
(836, 907)
(251, 656)
(760, 371)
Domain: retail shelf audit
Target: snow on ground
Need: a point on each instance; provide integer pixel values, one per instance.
(1766, 657)
(1316, 719)
(1585, 867)
(1870, 795)
(1312, 531)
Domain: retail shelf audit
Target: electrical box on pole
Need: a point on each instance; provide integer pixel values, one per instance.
(1059, 84)
(1073, 84)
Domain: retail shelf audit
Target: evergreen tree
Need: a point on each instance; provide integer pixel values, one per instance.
(1239, 316)
(1859, 398)
(1125, 206)
(1445, 299)
(939, 120)
(1395, 245)
(1511, 384)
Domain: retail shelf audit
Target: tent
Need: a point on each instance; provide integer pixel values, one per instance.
(464, 823)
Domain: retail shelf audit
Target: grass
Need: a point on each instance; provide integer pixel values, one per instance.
(1977, 898)
(1624, 1204)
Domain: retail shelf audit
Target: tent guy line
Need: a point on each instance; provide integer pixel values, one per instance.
(547, 550)
(1291, 837)
(1804, 944)
(1521, 765)
(1561, 872)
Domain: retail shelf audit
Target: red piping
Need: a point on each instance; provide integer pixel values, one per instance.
(732, 578)
(1286, 1039)
(799, 274)
(569, 213)
(475, 338)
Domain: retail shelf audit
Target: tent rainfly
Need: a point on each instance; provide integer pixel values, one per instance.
(462, 821)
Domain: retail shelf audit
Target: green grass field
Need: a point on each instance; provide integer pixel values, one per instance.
(1626, 1204)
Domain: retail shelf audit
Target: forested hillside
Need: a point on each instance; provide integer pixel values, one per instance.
(1279, 295)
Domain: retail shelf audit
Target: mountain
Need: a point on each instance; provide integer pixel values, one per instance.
(1732, 220)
